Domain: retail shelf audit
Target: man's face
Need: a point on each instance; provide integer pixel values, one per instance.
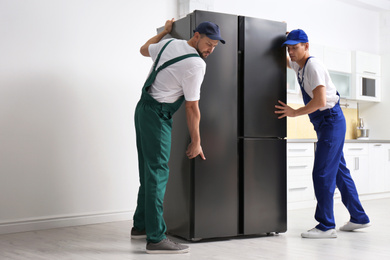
(205, 46)
(297, 51)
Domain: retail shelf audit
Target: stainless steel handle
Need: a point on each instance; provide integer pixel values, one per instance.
(356, 163)
(369, 72)
(356, 149)
(297, 150)
(296, 189)
(297, 166)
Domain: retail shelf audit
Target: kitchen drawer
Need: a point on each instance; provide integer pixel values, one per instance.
(300, 191)
(297, 166)
(355, 149)
(300, 149)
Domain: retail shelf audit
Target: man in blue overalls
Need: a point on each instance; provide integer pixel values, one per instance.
(176, 75)
(322, 105)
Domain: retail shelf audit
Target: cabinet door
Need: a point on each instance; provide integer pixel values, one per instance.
(358, 166)
(387, 167)
(342, 81)
(367, 63)
(377, 163)
(356, 157)
(338, 59)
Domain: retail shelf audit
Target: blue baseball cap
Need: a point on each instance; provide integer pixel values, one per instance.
(295, 37)
(211, 30)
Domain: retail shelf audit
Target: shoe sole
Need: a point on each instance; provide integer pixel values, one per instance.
(138, 237)
(359, 227)
(168, 251)
(319, 237)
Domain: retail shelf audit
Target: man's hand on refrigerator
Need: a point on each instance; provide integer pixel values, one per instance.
(194, 150)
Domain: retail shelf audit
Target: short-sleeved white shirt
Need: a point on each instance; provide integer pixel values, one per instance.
(181, 78)
(315, 75)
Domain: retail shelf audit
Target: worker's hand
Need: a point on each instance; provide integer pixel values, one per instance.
(194, 150)
(168, 25)
(284, 110)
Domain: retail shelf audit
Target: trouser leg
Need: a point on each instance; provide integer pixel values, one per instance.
(155, 142)
(324, 180)
(349, 194)
(139, 215)
(331, 133)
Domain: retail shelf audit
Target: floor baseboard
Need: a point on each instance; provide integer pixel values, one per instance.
(63, 221)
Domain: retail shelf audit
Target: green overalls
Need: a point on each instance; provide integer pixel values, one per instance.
(153, 125)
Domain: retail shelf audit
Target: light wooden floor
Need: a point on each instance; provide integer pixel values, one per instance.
(112, 241)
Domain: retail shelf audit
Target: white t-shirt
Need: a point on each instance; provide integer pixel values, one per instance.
(316, 74)
(181, 78)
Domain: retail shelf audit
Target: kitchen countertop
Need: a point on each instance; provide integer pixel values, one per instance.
(347, 141)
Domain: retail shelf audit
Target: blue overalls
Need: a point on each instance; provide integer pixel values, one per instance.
(330, 169)
(153, 125)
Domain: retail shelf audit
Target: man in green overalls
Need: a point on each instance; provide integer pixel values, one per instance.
(177, 75)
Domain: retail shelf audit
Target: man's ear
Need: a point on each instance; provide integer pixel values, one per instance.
(197, 36)
(306, 46)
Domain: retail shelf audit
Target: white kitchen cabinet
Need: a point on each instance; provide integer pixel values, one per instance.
(339, 64)
(379, 167)
(387, 167)
(339, 60)
(356, 157)
(342, 81)
(366, 78)
(300, 159)
(367, 63)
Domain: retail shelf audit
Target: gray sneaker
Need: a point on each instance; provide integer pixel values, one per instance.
(135, 234)
(166, 246)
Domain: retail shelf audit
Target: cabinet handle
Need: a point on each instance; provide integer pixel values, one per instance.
(297, 166)
(369, 72)
(356, 163)
(356, 149)
(296, 189)
(297, 150)
(377, 144)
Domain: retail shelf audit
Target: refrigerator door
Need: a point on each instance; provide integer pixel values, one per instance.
(264, 186)
(215, 179)
(263, 77)
(202, 196)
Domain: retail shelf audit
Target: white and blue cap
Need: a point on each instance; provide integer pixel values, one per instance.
(211, 30)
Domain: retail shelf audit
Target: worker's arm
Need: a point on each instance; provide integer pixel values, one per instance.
(193, 119)
(318, 101)
(155, 39)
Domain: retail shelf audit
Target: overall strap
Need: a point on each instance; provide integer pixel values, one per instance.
(153, 74)
(177, 59)
(159, 54)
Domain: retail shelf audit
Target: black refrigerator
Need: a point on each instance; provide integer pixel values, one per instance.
(240, 189)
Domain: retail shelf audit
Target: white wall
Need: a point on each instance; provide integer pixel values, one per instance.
(376, 115)
(327, 22)
(70, 77)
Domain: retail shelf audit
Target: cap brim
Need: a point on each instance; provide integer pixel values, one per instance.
(291, 42)
(213, 37)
